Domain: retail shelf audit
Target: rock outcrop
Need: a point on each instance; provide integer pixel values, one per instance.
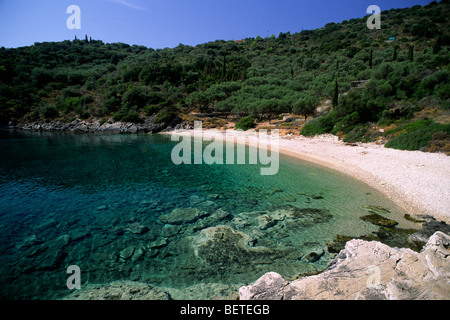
(83, 126)
(368, 270)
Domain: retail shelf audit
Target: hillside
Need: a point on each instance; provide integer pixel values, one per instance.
(366, 86)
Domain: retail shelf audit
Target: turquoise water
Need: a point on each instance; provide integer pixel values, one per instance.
(98, 202)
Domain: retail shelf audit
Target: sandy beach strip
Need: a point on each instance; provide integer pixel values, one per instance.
(419, 182)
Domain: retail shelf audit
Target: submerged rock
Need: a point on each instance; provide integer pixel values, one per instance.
(170, 230)
(126, 253)
(366, 271)
(119, 290)
(377, 209)
(182, 215)
(266, 222)
(313, 256)
(224, 245)
(137, 228)
(378, 220)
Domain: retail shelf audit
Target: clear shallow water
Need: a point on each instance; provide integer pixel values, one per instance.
(96, 200)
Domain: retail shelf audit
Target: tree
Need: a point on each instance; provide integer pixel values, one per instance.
(305, 106)
(370, 58)
(268, 108)
(335, 94)
(411, 53)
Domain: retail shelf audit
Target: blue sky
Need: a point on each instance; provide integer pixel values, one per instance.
(167, 23)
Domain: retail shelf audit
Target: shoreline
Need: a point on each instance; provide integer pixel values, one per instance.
(415, 181)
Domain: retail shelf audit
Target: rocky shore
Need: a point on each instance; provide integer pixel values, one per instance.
(82, 126)
(362, 270)
(367, 270)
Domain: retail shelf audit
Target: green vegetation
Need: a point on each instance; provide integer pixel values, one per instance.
(370, 81)
(246, 123)
(417, 135)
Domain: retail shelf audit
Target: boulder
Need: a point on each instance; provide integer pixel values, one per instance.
(368, 270)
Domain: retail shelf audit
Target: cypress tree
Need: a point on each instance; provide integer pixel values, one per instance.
(394, 58)
(336, 94)
(411, 53)
(370, 58)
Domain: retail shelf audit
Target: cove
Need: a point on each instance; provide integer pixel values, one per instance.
(117, 207)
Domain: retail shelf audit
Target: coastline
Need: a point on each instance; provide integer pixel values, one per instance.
(414, 180)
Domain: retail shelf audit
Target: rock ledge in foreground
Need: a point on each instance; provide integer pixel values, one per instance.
(368, 271)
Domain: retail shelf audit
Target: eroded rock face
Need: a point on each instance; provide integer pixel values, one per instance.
(368, 270)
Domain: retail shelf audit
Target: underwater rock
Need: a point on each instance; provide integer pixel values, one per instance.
(223, 245)
(138, 254)
(158, 243)
(182, 215)
(126, 253)
(170, 230)
(137, 228)
(311, 195)
(304, 216)
(378, 220)
(217, 217)
(276, 190)
(119, 290)
(377, 209)
(266, 222)
(313, 256)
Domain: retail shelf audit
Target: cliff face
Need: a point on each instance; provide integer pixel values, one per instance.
(368, 271)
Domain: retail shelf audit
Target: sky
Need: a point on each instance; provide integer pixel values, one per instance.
(167, 23)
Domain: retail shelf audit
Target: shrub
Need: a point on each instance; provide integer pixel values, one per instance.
(49, 112)
(166, 115)
(246, 123)
(319, 125)
(357, 134)
(132, 116)
(417, 135)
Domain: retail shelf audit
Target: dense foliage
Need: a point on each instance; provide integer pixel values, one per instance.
(261, 77)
